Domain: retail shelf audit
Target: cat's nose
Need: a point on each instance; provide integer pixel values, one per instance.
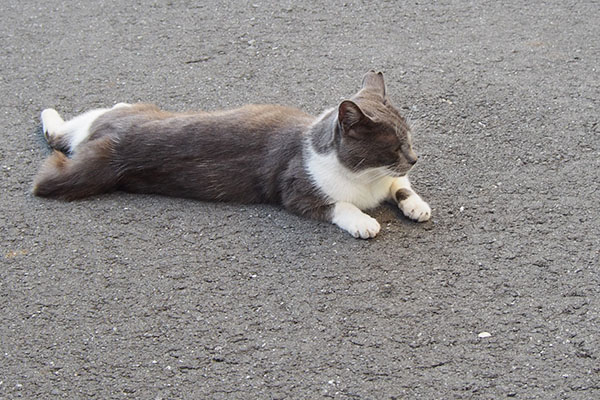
(411, 156)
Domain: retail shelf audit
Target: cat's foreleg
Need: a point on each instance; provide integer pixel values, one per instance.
(345, 215)
(351, 219)
(411, 204)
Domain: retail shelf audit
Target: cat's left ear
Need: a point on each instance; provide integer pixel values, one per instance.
(350, 116)
(374, 81)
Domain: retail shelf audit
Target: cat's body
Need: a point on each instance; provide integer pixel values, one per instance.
(329, 168)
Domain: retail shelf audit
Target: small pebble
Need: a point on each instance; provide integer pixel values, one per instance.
(484, 335)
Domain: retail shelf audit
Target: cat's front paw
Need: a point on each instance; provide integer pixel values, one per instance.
(365, 227)
(415, 208)
(357, 223)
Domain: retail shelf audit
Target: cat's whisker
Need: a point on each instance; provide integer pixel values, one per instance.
(413, 124)
(364, 172)
(378, 174)
(373, 174)
(359, 163)
(410, 114)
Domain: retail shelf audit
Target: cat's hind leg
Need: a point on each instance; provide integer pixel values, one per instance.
(51, 121)
(66, 136)
(77, 130)
(52, 125)
(63, 135)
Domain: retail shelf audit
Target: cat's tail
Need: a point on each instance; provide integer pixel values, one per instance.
(89, 172)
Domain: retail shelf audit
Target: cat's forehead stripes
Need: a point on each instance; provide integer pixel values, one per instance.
(376, 108)
(386, 114)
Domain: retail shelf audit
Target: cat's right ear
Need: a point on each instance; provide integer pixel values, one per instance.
(349, 116)
(374, 81)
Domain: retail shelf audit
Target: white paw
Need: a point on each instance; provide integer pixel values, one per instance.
(365, 227)
(360, 225)
(415, 208)
(51, 121)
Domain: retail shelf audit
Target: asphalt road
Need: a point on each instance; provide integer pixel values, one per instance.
(146, 297)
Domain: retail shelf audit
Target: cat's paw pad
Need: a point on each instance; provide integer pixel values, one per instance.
(415, 208)
(364, 227)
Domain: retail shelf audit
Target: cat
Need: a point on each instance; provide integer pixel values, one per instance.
(349, 159)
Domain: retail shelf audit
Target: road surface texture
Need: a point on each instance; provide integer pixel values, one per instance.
(148, 297)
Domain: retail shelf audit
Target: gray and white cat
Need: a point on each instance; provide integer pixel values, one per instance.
(349, 159)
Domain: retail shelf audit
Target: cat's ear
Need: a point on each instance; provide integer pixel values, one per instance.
(374, 81)
(350, 115)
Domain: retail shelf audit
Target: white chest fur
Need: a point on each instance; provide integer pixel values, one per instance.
(365, 189)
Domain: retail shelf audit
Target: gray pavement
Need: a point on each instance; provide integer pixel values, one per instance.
(146, 297)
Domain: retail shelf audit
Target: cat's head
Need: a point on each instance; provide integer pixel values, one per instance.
(373, 134)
